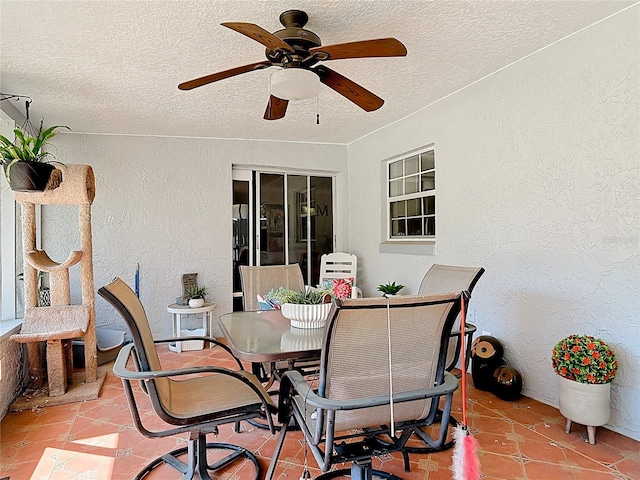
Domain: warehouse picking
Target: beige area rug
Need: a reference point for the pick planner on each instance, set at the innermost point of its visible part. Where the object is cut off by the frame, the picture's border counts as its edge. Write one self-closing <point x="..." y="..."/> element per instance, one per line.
<point x="78" y="391"/>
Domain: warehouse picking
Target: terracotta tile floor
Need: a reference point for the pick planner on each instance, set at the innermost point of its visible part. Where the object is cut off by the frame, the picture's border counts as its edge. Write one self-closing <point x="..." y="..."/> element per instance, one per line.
<point x="522" y="440"/>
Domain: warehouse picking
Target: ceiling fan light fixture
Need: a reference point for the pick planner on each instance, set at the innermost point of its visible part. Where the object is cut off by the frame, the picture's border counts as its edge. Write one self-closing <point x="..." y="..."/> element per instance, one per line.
<point x="295" y="84"/>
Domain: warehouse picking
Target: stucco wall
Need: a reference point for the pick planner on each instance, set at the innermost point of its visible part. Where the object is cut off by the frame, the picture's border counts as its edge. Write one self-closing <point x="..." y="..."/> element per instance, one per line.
<point x="14" y="372"/>
<point x="538" y="181"/>
<point x="165" y="203"/>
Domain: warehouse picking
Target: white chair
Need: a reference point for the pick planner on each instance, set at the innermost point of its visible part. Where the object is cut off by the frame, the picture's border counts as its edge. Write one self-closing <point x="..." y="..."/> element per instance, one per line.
<point x="340" y="265"/>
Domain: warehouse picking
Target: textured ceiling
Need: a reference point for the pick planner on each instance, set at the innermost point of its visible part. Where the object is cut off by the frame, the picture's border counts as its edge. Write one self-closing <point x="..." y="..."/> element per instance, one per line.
<point x="112" y="67"/>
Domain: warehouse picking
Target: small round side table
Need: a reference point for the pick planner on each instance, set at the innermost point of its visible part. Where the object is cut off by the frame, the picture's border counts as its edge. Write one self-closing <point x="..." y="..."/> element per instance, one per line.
<point x="178" y="311"/>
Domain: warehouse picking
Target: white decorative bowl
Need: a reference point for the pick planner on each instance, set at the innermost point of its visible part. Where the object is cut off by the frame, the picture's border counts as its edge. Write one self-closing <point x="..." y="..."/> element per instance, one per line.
<point x="306" y="316"/>
<point x="196" y="302"/>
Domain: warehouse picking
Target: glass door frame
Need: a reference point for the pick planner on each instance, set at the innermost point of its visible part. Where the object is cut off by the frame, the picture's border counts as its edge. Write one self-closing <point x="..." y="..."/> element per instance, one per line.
<point x="253" y="175"/>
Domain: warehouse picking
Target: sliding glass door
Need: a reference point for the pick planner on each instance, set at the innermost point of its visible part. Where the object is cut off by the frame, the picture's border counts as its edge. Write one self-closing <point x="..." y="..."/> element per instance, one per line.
<point x="287" y="218"/>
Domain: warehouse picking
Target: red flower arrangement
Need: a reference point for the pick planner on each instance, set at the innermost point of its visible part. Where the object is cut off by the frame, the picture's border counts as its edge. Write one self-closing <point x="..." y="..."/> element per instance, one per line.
<point x="341" y="288"/>
<point x="584" y="359"/>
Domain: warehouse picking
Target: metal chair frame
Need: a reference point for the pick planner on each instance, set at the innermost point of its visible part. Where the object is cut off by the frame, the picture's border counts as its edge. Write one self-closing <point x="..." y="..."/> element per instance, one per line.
<point x="298" y="397"/>
<point x="197" y="425"/>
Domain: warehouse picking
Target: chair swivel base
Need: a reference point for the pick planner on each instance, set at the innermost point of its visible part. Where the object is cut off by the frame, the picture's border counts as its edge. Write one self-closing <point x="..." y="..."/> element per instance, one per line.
<point x="429" y="449"/>
<point x="197" y="464"/>
<point x="360" y="470"/>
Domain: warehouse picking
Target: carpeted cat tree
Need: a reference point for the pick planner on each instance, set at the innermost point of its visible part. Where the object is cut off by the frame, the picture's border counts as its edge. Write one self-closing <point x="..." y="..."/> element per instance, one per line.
<point x="58" y="324"/>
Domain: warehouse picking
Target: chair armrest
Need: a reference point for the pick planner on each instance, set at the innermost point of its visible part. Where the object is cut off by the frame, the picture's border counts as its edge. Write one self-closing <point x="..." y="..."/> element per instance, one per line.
<point x="298" y="384"/>
<point x="205" y="339"/>
<point x="356" y="292"/>
<point x="120" y="369"/>
<point x="468" y="328"/>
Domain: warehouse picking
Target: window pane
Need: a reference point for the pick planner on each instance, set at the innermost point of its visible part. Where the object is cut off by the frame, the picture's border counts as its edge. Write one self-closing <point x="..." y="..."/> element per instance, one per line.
<point x="398" y="210"/>
<point x="429" y="205"/>
<point x="428" y="181"/>
<point x="428" y="160"/>
<point x="414" y="226"/>
<point x="411" y="184"/>
<point x="395" y="169"/>
<point x="430" y="226"/>
<point x="412" y="165"/>
<point x="413" y="207"/>
<point x="398" y="228"/>
<point x="395" y="188"/>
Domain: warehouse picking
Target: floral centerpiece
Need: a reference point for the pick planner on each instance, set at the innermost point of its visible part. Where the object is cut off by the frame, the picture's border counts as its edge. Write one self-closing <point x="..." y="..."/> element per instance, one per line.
<point x="310" y="307"/>
<point x="584" y="359"/>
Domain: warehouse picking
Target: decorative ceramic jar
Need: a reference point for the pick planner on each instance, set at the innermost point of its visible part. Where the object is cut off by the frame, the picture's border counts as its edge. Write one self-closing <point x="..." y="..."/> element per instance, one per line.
<point x="584" y="403"/>
<point x="196" y="302"/>
<point x="306" y="315"/>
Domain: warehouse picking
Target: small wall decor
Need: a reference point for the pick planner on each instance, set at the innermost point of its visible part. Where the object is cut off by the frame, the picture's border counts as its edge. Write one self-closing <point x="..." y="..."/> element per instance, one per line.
<point x="189" y="281"/>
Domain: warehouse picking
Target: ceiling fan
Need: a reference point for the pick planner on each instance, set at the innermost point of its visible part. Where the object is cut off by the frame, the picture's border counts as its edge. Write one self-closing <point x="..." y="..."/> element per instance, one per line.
<point x="298" y="52"/>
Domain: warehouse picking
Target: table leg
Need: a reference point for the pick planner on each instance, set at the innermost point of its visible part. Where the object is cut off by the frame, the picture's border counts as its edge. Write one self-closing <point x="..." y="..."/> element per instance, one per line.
<point x="177" y="330"/>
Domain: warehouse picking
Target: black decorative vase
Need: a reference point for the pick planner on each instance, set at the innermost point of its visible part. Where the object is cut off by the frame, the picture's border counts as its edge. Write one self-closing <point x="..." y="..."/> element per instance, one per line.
<point x="486" y="356"/>
<point x="508" y="384"/>
<point x="29" y="176"/>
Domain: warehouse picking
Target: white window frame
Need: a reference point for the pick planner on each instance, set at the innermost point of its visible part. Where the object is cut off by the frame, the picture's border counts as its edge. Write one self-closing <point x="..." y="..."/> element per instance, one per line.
<point x="9" y="221"/>
<point x="411" y="244"/>
<point x="402" y="178"/>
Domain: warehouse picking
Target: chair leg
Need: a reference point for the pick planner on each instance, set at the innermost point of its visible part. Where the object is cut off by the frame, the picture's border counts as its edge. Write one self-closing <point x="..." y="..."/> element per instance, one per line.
<point x="196" y="452"/>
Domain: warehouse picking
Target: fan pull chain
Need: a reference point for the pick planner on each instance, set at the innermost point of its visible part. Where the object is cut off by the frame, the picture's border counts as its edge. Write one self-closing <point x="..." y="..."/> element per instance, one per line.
<point x="318" y="110"/>
<point x="393" y="423"/>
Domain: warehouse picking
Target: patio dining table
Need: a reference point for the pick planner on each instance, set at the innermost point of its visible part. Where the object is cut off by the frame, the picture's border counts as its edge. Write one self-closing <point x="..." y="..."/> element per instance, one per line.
<point x="265" y="336"/>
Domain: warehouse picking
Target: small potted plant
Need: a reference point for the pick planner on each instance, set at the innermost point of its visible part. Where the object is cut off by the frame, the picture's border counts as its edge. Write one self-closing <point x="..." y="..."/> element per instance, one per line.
<point x="196" y="296"/>
<point x="27" y="164"/>
<point x="44" y="294"/>
<point x="390" y="288"/>
<point x="586" y="366"/>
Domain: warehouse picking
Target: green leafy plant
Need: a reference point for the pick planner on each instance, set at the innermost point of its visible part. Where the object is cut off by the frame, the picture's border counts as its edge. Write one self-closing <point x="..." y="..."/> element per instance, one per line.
<point x="305" y="297"/>
<point x="390" y="288"/>
<point x="41" y="275"/>
<point x="197" y="292"/>
<point x="584" y="359"/>
<point x="26" y="148"/>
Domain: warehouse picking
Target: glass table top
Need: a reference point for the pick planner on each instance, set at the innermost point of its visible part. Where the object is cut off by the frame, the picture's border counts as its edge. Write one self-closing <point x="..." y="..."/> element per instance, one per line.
<point x="267" y="336"/>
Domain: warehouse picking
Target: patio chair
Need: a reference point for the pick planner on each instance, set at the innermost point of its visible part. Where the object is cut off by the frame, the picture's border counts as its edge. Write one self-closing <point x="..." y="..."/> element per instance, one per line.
<point x="340" y="265"/>
<point x="451" y="278"/>
<point x="373" y="346"/>
<point x="441" y="279"/>
<point x="193" y="400"/>
<point x="259" y="280"/>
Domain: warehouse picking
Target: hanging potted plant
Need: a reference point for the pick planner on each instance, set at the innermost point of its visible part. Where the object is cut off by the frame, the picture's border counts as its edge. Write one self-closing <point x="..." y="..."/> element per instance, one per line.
<point x="27" y="164"/>
<point x="586" y="367"/>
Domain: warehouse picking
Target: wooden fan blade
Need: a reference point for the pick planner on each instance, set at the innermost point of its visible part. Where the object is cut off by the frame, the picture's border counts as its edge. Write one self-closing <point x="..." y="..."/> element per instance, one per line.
<point x="259" y="34"/>
<point x="214" y="77"/>
<point x="382" y="47"/>
<point x="349" y="89"/>
<point x="276" y="108"/>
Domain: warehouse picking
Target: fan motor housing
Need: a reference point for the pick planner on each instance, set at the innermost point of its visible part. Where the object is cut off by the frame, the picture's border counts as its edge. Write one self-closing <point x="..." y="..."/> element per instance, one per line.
<point x="295" y="35"/>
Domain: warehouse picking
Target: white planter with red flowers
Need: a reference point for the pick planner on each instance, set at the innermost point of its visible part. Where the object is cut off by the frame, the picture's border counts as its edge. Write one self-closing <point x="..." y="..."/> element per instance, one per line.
<point x="586" y="366"/>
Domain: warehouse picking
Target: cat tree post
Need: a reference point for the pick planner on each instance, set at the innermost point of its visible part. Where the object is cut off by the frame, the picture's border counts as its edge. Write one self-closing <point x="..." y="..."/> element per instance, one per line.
<point x="60" y="322"/>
